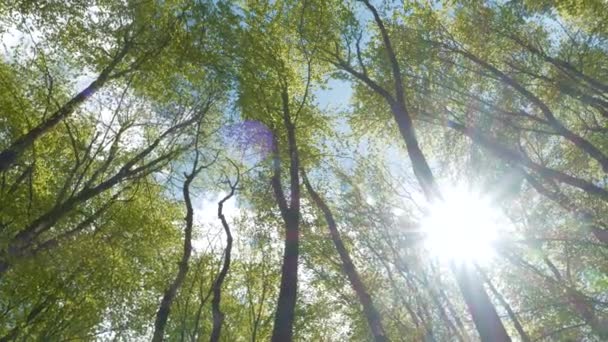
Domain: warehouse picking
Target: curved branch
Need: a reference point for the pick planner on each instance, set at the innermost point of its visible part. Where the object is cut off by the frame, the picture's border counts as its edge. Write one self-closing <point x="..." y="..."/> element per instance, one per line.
<point x="162" y="315"/>
<point x="218" y="315"/>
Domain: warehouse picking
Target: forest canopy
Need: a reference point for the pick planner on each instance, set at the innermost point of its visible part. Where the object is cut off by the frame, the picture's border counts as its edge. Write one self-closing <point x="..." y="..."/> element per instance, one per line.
<point x="313" y="170"/>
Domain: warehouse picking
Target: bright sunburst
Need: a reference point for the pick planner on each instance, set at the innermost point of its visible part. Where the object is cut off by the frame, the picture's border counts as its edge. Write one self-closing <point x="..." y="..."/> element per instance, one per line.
<point x="462" y="228"/>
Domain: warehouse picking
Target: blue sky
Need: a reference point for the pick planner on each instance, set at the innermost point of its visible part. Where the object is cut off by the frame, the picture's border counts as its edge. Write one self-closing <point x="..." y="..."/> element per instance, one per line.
<point x="336" y="96"/>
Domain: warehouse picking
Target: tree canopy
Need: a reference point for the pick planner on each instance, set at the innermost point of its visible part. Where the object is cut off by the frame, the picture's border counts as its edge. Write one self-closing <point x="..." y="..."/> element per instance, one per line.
<point x="311" y="170"/>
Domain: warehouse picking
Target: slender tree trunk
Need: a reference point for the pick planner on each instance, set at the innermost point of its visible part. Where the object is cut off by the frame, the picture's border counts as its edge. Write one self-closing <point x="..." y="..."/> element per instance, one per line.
<point x="258" y="314"/>
<point x="10" y="155"/>
<point x="218" y="315"/>
<point x="199" y="311"/>
<point x="371" y="313"/>
<point x="162" y="315"/>
<point x="482" y="310"/>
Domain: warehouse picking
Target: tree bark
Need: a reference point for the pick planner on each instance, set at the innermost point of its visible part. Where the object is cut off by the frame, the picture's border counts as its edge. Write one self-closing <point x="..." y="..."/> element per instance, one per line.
<point x="286" y="304"/>
<point x="284" y="317"/>
<point x="420" y="166"/>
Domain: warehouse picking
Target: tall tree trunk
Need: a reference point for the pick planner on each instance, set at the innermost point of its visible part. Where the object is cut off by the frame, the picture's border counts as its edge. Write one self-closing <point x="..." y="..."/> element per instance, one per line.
<point x="480" y="306"/>
<point x="482" y="310"/>
<point x="218" y="315"/>
<point x="420" y="166"/>
<point x="10" y="155"/>
<point x="257" y="315"/>
<point x="520" y="329"/>
<point x="371" y="313"/>
<point x="285" y="314"/>
<point x="284" y="317"/>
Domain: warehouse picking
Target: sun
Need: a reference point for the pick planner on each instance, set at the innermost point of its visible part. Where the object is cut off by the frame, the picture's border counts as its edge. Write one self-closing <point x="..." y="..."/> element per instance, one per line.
<point x="462" y="228"/>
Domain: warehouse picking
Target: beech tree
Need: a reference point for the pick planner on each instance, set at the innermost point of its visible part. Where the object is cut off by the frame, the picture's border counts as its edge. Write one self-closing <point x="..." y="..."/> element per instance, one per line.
<point x="303" y="170"/>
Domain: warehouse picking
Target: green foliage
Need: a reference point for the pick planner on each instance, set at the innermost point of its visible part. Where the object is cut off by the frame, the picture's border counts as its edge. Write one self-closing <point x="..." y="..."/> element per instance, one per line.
<point x="91" y="214"/>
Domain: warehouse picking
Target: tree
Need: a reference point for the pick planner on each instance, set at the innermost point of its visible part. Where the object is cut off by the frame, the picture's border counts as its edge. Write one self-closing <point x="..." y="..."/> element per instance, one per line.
<point x="371" y="313"/>
<point x="482" y="310"/>
<point x="279" y="130"/>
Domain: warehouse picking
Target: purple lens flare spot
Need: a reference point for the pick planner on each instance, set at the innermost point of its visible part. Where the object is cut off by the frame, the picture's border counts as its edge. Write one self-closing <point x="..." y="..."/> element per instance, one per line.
<point x="251" y="137"/>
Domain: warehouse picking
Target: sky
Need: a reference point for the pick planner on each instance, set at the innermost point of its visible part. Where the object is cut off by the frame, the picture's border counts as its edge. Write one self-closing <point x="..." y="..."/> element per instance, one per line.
<point x="336" y="96"/>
